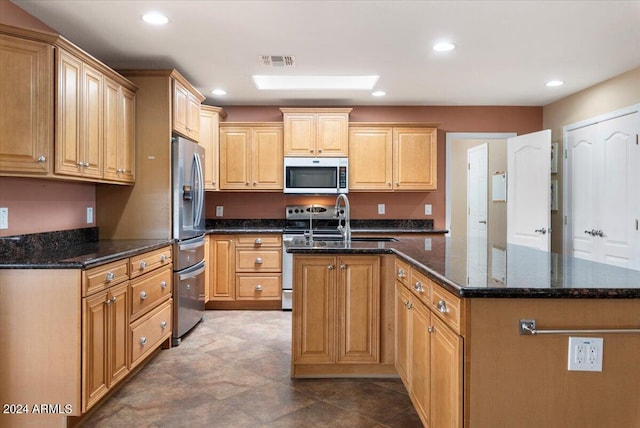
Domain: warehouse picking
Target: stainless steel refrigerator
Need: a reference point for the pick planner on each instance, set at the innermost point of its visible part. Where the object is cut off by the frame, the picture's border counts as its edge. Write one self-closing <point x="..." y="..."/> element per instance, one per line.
<point x="188" y="233"/>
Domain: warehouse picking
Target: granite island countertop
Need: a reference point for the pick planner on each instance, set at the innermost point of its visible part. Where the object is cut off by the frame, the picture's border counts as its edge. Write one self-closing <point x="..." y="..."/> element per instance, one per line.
<point x="494" y="271"/>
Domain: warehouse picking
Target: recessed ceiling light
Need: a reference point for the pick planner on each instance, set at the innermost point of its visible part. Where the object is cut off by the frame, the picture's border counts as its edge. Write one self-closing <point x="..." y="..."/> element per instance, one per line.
<point x="315" y="82"/>
<point x="379" y="93"/>
<point x="219" y="92"/>
<point x="444" y="47"/>
<point x="552" y="83"/>
<point x="155" y="18"/>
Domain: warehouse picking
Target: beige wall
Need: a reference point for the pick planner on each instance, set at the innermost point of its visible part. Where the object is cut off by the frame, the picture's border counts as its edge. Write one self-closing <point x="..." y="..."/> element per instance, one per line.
<point x="613" y="94"/>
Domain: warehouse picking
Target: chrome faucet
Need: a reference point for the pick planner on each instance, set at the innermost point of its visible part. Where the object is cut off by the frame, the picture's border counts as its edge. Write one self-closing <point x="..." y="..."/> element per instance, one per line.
<point x="309" y="236"/>
<point x="345" y="230"/>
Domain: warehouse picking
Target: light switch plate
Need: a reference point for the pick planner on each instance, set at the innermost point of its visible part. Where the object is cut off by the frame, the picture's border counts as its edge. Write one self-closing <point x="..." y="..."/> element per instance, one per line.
<point x="585" y="354"/>
<point x="427" y="209"/>
<point x="4" y="218"/>
<point x="380" y="208"/>
<point x="219" y="211"/>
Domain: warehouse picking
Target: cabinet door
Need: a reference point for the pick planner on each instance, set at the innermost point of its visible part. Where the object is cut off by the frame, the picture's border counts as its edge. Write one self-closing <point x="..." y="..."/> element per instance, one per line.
<point x="193" y="117"/>
<point x="27" y="71"/>
<point x="91" y="137"/>
<point x="267" y="159"/>
<point x="299" y="134"/>
<point x="68" y="115"/>
<point x="420" y="384"/>
<point x="235" y="152"/>
<point x="314" y="309"/>
<point x="94" y="349"/>
<point x="111" y="129"/>
<point x="222" y="268"/>
<point x="358" y="309"/>
<point x="367" y="147"/>
<point x="180" y="108"/>
<point x="209" y="140"/>
<point x="446" y="376"/>
<point x="332" y="134"/>
<point x="415" y="158"/>
<point x="118" y="333"/>
<point x="127" y="152"/>
<point x="403" y="332"/>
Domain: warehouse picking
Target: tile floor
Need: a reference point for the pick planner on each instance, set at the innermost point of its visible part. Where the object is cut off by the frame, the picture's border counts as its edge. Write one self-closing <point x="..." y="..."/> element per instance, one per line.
<point x="232" y="371"/>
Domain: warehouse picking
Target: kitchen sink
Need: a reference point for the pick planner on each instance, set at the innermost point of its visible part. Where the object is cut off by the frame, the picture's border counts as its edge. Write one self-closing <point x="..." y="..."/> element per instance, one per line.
<point x="361" y="238"/>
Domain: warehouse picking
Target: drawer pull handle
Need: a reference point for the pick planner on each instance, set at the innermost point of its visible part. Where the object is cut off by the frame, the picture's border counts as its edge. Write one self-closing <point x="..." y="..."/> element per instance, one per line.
<point x="143" y="295"/>
<point x="163" y="284"/>
<point x="401" y="273"/>
<point x="442" y="307"/>
<point x="258" y="287"/>
<point x="163" y="325"/>
<point x="418" y="287"/>
<point x="143" y="265"/>
<point x="163" y="258"/>
<point x="258" y="241"/>
<point x="259" y="261"/>
<point x="110" y="276"/>
<point x="143" y="341"/>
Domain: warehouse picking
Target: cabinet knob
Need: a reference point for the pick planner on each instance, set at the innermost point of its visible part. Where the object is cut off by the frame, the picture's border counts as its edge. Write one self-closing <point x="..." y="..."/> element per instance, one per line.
<point x="163" y="258"/>
<point x="397" y="184"/>
<point x="389" y="183"/>
<point x="331" y="267"/>
<point x="442" y="307"/>
<point x="108" y="302"/>
<point x="42" y="159"/>
<point x="258" y="287"/>
<point x="259" y="260"/>
<point x="246" y="184"/>
<point x="110" y="276"/>
<point x="163" y="325"/>
<point x="255" y="183"/>
<point x="143" y="265"/>
<point x="258" y="241"/>
<point x="430" y="329"/>
<point x="143" y="295"/>
<point x="163" y="284"/>
<point x="311" y="150"/>
<point x="319" y="150"/>
<point x="114" y="298"/>
<point x="343" y="266"/>
<point x="401" y="273"/>
<point x="143" y="341"/>
<point x="418" y="287"/>
<point x="80" y="164"/>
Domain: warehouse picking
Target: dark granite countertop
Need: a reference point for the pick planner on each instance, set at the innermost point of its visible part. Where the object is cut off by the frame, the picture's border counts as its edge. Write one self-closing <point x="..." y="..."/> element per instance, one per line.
<point x="507" y="271"/>
<point x="78" y="249"/>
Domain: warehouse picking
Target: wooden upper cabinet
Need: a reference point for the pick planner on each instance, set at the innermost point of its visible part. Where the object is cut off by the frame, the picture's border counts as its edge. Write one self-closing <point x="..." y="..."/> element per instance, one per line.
<point x="251" y="157"/>
<point x="405" y="158"/>
<point x="119" y="133"/>
<point x="26" y="67"/>
<point x="209" y="139"/>
<point x="316" y="132"/>
<point x="186" y="109"/>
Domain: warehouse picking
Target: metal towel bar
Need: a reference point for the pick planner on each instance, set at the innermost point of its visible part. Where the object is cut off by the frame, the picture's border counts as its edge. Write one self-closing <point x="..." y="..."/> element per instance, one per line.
<point x="528" y="328"/>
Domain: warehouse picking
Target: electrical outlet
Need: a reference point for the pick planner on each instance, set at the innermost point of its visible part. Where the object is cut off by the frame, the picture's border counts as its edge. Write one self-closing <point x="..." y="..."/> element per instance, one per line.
<point x="219" y="211"/>
<point x="380" y="208"/>
<point x="89" y="215"/>
<point x="4" y="218"/>
<point x="585" y="354"/>
<point x="427" y="244"/>
<point x="427" y="209"/>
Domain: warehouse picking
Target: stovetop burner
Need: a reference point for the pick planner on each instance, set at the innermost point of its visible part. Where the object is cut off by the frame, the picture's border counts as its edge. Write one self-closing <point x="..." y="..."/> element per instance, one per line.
<point x="298" y="217"/>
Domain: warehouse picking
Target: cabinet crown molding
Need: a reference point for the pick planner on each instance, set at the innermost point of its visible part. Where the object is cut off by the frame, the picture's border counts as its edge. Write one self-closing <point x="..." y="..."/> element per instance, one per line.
<point x="393" y="124"/>
<point x="314" y="110"/>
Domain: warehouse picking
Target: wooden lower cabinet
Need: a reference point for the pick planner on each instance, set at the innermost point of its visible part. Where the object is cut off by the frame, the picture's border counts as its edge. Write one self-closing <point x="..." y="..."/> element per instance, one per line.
<point x="429" y="361"/>
<point x="336" y="310"/>
<point x="222" y="268"/>
<point x="105" y="326"/>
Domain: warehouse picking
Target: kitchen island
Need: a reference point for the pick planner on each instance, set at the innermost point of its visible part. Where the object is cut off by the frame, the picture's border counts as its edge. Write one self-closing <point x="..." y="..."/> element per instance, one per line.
<point x="453" y="320"/>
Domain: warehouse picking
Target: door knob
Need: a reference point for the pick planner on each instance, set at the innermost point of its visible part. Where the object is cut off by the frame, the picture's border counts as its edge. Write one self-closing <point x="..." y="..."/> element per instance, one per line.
<point x="541" y="230"/>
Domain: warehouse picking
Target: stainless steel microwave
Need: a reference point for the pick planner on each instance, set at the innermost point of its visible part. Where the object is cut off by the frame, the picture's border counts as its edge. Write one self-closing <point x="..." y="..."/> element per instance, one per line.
<point x="316" y="175"/>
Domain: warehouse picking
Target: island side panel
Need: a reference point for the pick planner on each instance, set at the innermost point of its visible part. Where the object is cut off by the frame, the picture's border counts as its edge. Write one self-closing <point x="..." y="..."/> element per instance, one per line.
<point x="523" y="381"/>
<point x="40" y="319"/>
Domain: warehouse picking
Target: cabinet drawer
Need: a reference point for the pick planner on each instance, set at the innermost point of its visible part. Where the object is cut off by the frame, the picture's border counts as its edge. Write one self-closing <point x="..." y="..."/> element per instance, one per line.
<point x="101" y="277"/>
<point x="263" y="287"/>
<point x="149" y="261"/>
<point x="446" y="306"/>
<point x="259" y="241"/>
<point x="420" y="285"/>
<point x="402" y="271"/>
<point x="149" y="331"/>
<point x="149" y="290"/>
<point x="258" y="260"/>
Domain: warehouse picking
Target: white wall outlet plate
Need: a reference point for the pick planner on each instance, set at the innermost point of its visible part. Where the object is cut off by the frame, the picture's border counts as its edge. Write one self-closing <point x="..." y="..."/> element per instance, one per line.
<point x="4" y="218"/>
<point x="380" y="208"/>
<point x="585" y="354"/>
<point x="89" y="215"/>
<point x="219" y="211"/>
<point x="427" y="209"/>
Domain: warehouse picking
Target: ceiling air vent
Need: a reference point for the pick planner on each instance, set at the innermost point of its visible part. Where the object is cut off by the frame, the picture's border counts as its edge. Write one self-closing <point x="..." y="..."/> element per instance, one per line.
<point x="278" y="60"/>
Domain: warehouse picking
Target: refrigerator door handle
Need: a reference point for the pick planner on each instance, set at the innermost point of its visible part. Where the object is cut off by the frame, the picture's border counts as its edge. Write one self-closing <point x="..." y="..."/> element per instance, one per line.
<point x="199" y="185"/>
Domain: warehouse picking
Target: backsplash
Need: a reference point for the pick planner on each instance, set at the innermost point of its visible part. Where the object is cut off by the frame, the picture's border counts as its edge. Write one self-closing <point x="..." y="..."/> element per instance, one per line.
<point x="20" y="245"/>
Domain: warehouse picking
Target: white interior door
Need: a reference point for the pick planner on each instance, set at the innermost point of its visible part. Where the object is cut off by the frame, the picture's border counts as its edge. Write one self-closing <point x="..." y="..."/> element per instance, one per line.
<point x="603" y="165"/>
<point x="477" y="189"/>
<point x="528" y="190"/>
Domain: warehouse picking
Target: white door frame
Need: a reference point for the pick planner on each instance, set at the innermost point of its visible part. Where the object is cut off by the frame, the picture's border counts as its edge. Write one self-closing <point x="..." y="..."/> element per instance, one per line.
<point x="450" y="137"/>
<point x="566" y="185"/>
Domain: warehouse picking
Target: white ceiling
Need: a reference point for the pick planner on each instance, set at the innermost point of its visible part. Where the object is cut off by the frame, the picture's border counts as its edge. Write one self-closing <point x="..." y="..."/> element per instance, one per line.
<point x="506" y="50"/>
